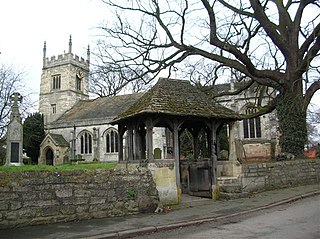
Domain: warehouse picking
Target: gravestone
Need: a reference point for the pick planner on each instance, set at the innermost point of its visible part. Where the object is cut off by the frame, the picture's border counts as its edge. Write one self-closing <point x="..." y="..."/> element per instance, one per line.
<point x="15" y="133"/>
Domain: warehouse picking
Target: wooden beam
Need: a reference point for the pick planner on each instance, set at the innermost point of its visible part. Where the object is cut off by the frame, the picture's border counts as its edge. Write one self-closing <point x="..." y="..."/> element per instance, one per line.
<point x="213" y="126"/>
<point x="176" y="125"/>
<point x="149" y="138"/>
<point x="130" y="142"/>
<point x="121" y="130"/>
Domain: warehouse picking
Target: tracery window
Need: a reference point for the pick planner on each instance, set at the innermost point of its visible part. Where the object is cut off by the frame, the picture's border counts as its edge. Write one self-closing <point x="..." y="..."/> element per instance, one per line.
<point x="111" y="141"/>
<point x="86" y="143"/>
<point x="56" y="82"/>
<point x="251" y="127"/>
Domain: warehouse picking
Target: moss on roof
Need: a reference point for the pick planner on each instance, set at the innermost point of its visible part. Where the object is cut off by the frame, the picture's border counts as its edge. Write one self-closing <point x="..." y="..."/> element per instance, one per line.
<point x="99" y="108"/>
<point x="177" y="98"/>
<point x="59" y="139"/>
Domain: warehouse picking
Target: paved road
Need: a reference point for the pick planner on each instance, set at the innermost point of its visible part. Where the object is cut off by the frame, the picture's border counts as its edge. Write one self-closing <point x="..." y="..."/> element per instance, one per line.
<point x="292" y="221"/>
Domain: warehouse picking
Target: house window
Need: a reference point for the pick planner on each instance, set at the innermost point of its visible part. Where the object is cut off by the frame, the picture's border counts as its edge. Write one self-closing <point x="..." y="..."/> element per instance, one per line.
<point x="56" y="82"/>
<point x="54" y="109"/>
<point x="251" y="127"/>
<point x="111" y="141"/>
<point x="86" y="143"/>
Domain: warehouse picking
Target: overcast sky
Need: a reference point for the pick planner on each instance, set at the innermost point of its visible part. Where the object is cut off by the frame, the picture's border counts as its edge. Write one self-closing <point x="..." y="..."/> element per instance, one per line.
<point x="26" y="24"/>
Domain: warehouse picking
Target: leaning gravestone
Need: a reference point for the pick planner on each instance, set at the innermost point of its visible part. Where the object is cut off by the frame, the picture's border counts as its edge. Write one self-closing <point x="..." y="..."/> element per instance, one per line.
<point x="15" y="133"/>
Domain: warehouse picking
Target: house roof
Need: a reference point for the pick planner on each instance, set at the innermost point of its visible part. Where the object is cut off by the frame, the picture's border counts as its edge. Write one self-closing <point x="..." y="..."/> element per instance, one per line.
<point x="99" y="108"/>
<point x="58" y="139"/>
<point x="177" y="98"/>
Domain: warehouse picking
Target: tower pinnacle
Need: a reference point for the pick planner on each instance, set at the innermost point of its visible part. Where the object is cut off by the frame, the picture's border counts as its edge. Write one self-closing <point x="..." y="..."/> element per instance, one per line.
<point x="44" y="52"/>
<point x="70" y="44"/>
<point x="88" y="54"/>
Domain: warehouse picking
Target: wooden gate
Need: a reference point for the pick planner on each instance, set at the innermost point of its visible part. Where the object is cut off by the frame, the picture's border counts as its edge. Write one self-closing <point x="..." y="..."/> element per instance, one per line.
<point x="200" y="178"/>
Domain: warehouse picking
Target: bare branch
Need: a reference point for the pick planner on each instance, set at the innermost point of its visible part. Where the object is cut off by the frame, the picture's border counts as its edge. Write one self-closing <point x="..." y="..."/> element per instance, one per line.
<point x="315" y="86"/>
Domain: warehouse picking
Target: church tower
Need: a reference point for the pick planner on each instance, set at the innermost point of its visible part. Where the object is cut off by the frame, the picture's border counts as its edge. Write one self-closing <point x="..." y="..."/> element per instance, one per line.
<point x="64" y="81"/>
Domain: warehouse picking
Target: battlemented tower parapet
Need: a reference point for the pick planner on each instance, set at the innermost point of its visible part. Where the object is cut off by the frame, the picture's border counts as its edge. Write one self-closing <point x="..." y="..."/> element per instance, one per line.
<point x="66" y="58"/>
<point x="64" y="81"/>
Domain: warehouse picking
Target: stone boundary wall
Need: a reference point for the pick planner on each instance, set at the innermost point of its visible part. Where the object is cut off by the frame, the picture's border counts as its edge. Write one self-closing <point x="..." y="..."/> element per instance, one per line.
<point x="40" y="197"/>
<point x="265" y="176"/>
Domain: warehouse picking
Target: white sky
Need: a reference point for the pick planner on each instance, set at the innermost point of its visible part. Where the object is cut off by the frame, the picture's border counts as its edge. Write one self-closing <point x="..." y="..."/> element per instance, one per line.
<point x="26" y="24"/>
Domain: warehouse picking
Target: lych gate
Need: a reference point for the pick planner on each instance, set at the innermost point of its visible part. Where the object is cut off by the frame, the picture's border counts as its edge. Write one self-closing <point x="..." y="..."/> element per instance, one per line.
<point x="177" y="106"/>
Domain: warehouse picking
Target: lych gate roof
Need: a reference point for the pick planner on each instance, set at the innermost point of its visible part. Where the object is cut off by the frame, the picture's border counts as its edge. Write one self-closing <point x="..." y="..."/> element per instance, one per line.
<point x="99" y="108"/>
<point x="177" y="98"/>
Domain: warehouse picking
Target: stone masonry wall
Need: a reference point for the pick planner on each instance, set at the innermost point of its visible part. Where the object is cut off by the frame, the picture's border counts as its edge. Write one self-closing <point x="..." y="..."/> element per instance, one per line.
<point x="40" y="197"/>
<point x="266" y="176"/>
<point x="164" y="176"/>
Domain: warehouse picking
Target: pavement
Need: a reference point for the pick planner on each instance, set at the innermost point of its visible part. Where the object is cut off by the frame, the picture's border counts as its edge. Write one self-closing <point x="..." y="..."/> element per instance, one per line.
<point x="191" y="211"/>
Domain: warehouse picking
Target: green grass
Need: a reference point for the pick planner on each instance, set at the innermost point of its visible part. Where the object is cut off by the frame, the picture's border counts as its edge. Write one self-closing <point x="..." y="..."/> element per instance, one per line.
<point x="81" y="166"/>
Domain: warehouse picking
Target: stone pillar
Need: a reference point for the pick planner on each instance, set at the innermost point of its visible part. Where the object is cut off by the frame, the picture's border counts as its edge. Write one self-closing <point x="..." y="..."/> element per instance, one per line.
<point x="74" y="144"/>
<point x="236" y="167"/>
<point x="96" y="140"/>
<point x="232" y="141"/>
<point x="15" y="134"/>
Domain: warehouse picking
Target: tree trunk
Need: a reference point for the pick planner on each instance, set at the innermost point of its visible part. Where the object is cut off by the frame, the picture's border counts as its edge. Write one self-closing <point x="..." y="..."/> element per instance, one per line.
<point x="292" y="122"/>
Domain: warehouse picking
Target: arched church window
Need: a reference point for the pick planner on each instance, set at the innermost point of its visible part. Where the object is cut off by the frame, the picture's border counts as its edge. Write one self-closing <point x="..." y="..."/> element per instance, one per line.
<point x="111" y="141"/>
<point x="251" y="127"/>
<point x="86" y="143"/>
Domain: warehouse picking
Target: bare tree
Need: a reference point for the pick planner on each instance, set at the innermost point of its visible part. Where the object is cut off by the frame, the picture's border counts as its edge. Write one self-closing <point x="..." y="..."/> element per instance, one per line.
<point x="10" y="82"/>
<point x="273" y="43"/>
<point x="108" y="82"/>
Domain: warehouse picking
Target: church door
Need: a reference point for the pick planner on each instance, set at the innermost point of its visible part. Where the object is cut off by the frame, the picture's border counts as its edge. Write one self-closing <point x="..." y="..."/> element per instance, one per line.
<point x="49" y="157"/>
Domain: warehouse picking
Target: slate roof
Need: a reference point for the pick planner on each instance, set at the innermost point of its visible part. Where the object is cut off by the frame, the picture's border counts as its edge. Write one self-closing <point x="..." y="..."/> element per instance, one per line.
<point x="99" y="108"/>
<point x="59" y="139"/>
<point x="177" y="98"/>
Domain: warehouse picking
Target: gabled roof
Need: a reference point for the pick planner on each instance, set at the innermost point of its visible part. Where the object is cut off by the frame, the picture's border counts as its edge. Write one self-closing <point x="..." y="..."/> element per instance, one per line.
<point x="99" y="108"/>
<point x="177" y="98"/>
<point x="57" y="139"/>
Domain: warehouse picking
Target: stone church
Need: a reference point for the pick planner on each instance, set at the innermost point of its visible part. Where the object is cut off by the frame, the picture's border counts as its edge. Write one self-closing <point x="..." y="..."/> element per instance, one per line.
<point x="78" y="128"/>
